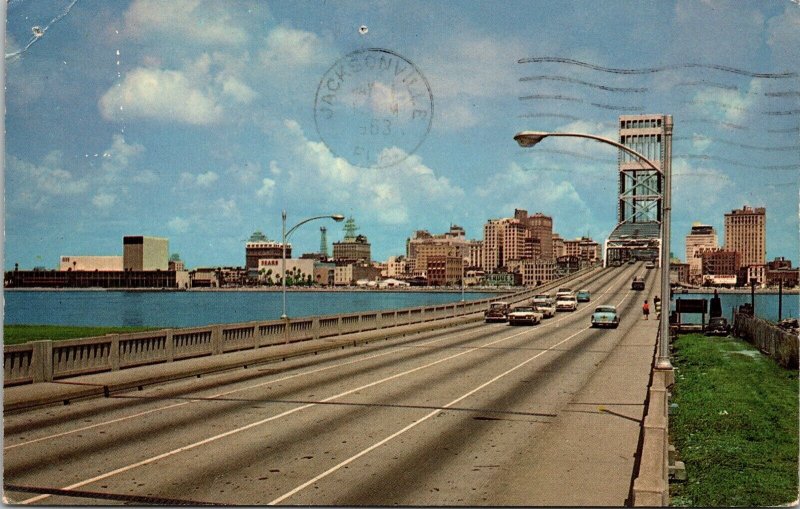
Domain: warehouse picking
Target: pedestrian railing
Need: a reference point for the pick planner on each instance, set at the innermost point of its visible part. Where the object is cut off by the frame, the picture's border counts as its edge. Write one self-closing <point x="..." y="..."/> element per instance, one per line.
<point x="44" y="361"/>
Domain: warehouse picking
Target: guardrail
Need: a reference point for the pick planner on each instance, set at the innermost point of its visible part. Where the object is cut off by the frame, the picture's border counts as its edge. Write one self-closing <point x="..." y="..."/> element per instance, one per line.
<point x="45" y="361"/>
<point x="779" y="344"/>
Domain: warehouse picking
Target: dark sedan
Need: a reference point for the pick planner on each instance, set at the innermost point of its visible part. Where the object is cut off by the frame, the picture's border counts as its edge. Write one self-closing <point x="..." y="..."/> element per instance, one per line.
<point x="717" y="326"/>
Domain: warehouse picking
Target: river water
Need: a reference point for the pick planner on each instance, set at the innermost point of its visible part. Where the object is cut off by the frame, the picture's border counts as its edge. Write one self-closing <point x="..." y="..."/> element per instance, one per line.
<point x="192" y="309"/>
<point x="766" y="305"/>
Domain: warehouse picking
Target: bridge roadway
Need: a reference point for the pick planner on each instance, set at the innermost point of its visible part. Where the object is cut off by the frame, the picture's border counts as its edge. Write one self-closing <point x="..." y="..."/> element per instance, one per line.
<point x="477" y="415"/>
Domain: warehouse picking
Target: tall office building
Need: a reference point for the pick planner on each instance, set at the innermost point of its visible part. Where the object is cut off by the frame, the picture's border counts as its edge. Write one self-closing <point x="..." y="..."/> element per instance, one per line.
<point x="701" y="237"/>
<point x="746" y="233"/>
<point x="145" y="253"/>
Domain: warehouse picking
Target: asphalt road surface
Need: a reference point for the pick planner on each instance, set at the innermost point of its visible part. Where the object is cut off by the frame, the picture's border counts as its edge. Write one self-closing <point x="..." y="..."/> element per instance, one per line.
<point x="451" y="417"/>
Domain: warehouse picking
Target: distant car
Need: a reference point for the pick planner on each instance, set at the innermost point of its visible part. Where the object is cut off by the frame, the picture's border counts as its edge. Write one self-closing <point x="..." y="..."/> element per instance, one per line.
<point x="583" y="296"/>
<point x="649" y="265"/>
<point x="497" y="312"/>
<point x="637" y="283"/>
<point x="542" y="298"/>
<point x="717" y="326"/>
<point x="616" y="263"/>
<point x="564" y="290"/>
<point x="566" y="303"/>
<point x="632" y="261"/>
<point x="524" y="315"/>
<point x="547" y="307"/>
<point x="605" y="316"/>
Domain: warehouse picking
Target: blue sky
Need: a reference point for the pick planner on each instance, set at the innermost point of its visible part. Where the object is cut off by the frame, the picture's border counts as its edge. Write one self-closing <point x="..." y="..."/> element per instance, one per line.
<point x="195" y="120"/>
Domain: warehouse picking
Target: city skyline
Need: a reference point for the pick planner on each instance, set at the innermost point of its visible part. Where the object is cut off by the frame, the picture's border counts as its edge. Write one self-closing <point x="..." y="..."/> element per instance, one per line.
<point x="196" y="121"/>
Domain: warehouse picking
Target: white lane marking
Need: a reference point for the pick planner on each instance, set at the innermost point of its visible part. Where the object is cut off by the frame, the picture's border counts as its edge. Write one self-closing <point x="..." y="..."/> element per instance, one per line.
<point x="425" y="418"/>
<point x="227" y="393"/>
<point x="219" y="395"/>
<point x="278" y="416"/>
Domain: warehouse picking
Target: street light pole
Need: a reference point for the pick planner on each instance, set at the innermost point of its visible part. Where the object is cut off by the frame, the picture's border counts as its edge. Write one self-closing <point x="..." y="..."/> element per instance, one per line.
<point x="531" y="138"/>
<point x="336" y="217"/>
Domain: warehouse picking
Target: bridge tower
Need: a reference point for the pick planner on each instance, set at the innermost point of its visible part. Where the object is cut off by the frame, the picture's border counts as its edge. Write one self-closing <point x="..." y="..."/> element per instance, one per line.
<point x="323" y="242"/>
<point x="638" y="231"/>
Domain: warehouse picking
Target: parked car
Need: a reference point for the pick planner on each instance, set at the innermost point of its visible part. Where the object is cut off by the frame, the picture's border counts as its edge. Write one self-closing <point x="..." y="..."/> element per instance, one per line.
<point x="547" y="307"/>
<point x="637" y="283"/>
<point x="566" y="303"/>
<point x="583" y="296"/>
<point x="605" y="316"/>
<point x="524" y="315"/>
<point x="717" y="326"/>
<point x="497" y="312"/>
<point x="649" y="265"/>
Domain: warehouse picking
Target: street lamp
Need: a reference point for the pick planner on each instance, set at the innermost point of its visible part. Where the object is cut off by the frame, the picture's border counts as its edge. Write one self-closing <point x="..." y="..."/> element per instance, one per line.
<point x="531" y="138"/>
<point x="336" y="217"/>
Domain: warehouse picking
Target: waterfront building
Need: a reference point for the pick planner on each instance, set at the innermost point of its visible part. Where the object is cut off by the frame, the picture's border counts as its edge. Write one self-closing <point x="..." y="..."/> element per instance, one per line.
<point x="396" y="266"/>
<point x="534" y="272"/>
<point x="140" y="253"/>
<point x="451" y="243"/>
<point x="475" y="253"/>
<point x="259" y="247"/>
<point x="720" y="263"/>
<point x="324" y="273"/>
<point x="754" y="273"/>
<point x="558" y="246"/>
<point x="701" y="237"/>
<point x="347" y="275"/>
<point x="540" y="229"/>
<point x="746" y="233"/>
<point x="119" y="279"/>
<point x="584" y="248"/>
<point x="443" y="270"/>
<point x="679" y="273"/>
<point x="175" y="262"/>
<point x="104" y="263"/>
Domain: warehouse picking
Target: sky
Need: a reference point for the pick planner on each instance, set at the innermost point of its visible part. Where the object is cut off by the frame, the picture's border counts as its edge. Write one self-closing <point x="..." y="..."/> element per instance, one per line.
<point x="200" y="121"/>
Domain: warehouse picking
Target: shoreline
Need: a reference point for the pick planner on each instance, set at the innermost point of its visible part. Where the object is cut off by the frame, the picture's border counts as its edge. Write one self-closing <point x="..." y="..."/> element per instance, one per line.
<point x="270" y="289"/>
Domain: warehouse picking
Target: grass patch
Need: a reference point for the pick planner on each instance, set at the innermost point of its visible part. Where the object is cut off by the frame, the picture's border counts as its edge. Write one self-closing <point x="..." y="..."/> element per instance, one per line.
<point x="736" y="425"/>
<point x="16" y="334"/>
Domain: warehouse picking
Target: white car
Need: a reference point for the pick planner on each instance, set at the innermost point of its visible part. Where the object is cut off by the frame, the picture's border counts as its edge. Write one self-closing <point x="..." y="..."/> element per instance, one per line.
<point x="547" y="308"/>
<point x="542" y="298"/>
<point x="524" y="315"/>
<point x="566" y="303"/>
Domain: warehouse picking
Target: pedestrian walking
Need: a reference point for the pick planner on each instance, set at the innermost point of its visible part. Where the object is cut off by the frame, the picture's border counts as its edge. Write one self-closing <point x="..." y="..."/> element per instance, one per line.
<point x="657" y="305"/>
<point x="646" y="310"/>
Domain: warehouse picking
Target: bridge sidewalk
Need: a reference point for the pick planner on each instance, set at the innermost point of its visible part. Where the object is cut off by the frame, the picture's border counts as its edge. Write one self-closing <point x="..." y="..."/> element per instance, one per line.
<point x="587" y="457"/>
<point x="100" y="384"/>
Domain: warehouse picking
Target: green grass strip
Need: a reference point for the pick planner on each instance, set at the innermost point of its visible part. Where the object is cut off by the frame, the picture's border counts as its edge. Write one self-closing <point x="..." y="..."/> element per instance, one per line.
<point x="16" y="334"/>
<point x="735" y="427"/>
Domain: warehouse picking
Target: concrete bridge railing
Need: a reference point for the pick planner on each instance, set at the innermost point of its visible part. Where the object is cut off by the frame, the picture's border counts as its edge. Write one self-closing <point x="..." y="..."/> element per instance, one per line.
<point x="45" y="361"/>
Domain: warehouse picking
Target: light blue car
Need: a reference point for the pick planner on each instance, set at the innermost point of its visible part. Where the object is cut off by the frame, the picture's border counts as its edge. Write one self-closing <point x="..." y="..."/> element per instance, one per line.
<point x="583" y="296"/>
<point x="605" y="316"/>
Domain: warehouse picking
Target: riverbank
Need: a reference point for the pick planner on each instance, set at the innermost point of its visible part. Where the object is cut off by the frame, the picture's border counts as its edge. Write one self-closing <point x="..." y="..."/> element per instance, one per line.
<point x="270" y="289"/>
<point x="735" y="425"/>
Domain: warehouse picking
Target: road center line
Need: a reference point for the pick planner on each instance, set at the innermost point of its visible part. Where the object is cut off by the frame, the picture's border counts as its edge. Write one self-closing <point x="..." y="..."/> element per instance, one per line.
<point x="292" y="411"/>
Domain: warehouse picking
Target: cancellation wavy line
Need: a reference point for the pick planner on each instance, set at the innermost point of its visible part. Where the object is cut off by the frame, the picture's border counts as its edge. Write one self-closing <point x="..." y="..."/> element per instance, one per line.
<point x="566" y="79"/>
<point x="704" y="157"/>
<point x="557" y="97"/>
<point x="729" y="125"/>
<point x="787" y="148"/>
<point x="734" y="88"/>
<point x="548" y="115"/>
<point x="652" y="70"/>
<point x="724" y="106"/>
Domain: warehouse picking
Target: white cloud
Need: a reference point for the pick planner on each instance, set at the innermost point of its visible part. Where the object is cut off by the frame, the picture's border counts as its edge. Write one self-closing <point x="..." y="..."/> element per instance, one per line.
<point x="226" y="208"/>
<point x="201" y="22"/>
<point x="286" y="47"/>
<point x="118" y="157"/>
<point x="207" y="179"/>
<point x="104" y="201"/>
<point x="178" y="224"/>
<point x="238" y="91"/>
<point x="47" y="179"/>
<point x="403" y="194"/>
<point x="161" y="95"/>
<point x="267" y="189"/>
